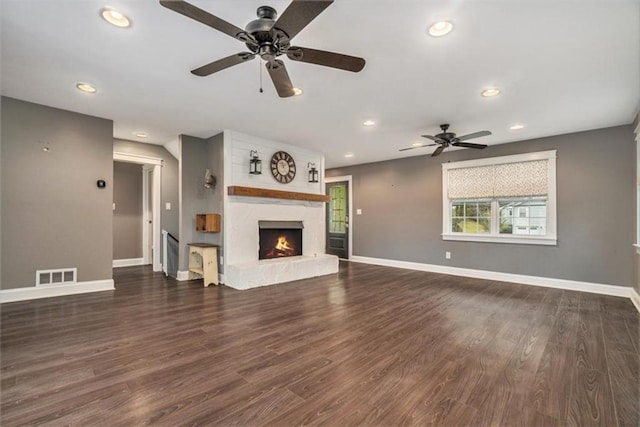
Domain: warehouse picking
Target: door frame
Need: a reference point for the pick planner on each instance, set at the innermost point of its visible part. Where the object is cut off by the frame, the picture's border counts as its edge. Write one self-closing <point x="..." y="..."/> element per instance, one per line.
<point x="156" y="164"/>
<point x="147" y="211"/>
<point x="342" y="178"/>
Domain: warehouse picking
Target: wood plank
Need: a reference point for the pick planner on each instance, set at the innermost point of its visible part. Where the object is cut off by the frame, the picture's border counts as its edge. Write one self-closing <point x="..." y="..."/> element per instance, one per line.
<point x="236" y="190"/>
<point x="369" y="346"/>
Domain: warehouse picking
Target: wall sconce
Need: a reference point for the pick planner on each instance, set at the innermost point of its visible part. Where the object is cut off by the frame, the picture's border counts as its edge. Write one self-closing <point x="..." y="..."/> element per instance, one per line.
<point x="255" y="164"/>
<point x="209" y="179"/>
<point x="313" y="172"/>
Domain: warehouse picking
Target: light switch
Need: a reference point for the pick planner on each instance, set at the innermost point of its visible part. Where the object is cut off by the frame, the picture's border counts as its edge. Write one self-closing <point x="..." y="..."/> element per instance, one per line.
<point x="358" y="211"/>
<point x="114" y="206"/>
<point x="167" y="206"/>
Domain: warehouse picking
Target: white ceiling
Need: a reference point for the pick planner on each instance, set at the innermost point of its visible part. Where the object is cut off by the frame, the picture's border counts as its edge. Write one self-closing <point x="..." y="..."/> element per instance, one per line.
<point x="563" y="66"/>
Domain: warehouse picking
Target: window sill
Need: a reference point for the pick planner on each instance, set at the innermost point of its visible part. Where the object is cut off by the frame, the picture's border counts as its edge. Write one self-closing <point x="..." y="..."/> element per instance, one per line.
<point x="529" y="240"/>
<point x="637" y="246"/>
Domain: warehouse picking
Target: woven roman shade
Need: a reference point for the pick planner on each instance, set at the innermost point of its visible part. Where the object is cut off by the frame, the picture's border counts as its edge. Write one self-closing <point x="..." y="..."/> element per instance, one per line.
<point x="519" y="179"/>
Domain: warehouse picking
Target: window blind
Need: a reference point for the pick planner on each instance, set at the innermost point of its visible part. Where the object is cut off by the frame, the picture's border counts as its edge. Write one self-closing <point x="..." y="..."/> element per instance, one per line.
<point x="519" y="179"/>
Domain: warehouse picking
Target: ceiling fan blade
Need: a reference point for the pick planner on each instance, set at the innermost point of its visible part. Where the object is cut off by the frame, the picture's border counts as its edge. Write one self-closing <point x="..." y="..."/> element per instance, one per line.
<point x="438" y="151"/>
<point x="469" y="145"/>
<point x="327" y="59"/>
<point x="417" y="146"/>
<point x="221" y="64"/>
<point x="474" y="135"/>
<point x="197" y="14"/>
<point x="280" y="78"/>
<point x="299" y="14"/>
<point x="430" y="137"/>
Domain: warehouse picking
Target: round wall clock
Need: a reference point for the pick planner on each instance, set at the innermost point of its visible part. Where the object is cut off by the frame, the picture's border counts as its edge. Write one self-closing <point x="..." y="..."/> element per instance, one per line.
<point x="283" y="167"/>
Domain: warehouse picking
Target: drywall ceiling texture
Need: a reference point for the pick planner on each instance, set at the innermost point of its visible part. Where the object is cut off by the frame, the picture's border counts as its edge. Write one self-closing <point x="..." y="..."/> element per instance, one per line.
<point x="401" y="202"/>
<point x="563" y="66"/>
<point x="53" y="213"/>
<point x="127" y="215"/>
<point x="169" y="218"/>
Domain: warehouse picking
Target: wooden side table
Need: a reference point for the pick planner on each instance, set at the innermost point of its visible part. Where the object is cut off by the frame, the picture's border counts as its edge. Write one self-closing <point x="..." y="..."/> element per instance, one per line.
<point x="203" y="263"/>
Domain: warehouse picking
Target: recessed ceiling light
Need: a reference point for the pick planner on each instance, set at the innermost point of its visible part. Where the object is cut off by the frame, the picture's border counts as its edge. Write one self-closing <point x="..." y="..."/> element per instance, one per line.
<point x="369" y="122"/>
<point x="516" y="126"/>
<point x="488" y="93"/>
<point x="86" y="87"/>
<point x="418" y="144"/>
<point x="114" y="17"/>
<point x="440" y="28"/>
<point x="141" y="134"/>
<point x="297" y="91"/>
<point x="348" y="155"/>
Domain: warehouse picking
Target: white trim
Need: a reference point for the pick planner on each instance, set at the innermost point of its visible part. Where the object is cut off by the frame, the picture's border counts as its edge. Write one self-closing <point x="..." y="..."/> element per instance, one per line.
<point x="128" y="262"/>
<point x="29" y="293"/>
<point x="156" y="198"/>
<point x="182" y="276"/>
<point x="147" y="213"/>
<point x="635" y="299"/>
<point x="489" y="161"/>
<point x="349" y="179"/>
<point x="136" y="158"/>
<point x="156" y="212"/>
<point x="573" y="285"/>
<point x="551" y="238"/>
<point x="529" y="240"/>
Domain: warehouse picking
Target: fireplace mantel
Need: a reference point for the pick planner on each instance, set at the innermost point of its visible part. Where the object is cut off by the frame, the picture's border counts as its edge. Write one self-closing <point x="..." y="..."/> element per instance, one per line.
<point x="237" y="190"/>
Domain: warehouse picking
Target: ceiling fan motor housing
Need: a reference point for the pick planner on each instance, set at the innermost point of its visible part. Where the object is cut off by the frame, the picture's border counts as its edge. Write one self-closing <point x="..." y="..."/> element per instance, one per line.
<point x="271" y="41"/>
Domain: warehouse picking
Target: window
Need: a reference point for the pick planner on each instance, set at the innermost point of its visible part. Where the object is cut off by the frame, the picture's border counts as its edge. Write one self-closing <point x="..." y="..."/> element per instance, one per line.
<point x="510" y="199"/>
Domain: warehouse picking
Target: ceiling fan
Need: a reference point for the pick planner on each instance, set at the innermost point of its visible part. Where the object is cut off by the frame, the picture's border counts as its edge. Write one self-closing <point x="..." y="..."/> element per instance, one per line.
<point x="445" y="139"/>
<point x="270" y="37"/>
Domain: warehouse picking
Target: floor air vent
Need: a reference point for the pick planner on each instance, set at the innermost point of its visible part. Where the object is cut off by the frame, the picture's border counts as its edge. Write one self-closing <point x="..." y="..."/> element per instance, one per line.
<point x="58" y="276"/>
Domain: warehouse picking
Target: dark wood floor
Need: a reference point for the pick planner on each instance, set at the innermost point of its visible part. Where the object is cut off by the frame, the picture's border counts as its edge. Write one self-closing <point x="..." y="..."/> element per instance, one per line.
<point x="368" y="346"/>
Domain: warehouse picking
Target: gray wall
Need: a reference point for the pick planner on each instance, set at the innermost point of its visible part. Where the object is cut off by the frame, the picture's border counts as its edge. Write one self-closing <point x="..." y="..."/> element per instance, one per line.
<point x="169" y="219"/>
<point x="127" y="217"/>
<point x="197" y="155"/>
<point x="402" y="211"/>
<point x="636" y="284"/>
<point x="53" y="214"/>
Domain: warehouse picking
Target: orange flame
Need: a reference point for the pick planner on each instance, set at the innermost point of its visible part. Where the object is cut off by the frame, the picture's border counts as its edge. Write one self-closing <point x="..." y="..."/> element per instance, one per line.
<point x="282" y="248"/>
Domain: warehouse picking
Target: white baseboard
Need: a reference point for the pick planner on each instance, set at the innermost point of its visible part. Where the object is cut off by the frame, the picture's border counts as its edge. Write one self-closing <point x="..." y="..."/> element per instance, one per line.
<point x="572" y="285"/>
<point x="635" y="299"/>
<point x="128" y="262"/>
<point x="36" y="292"/>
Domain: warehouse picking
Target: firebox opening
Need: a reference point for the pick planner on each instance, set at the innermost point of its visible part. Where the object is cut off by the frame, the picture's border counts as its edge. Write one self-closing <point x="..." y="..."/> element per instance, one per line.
<point x="280" y="239"/>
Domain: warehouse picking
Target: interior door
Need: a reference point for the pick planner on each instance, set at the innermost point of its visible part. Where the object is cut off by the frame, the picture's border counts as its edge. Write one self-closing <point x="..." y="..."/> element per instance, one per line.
<point x="338" y="219"/>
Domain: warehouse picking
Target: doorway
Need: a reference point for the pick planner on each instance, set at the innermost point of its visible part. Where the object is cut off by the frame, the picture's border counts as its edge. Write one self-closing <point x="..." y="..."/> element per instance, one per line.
<point x="338" y="217"/>
<point x="151" y="207"/>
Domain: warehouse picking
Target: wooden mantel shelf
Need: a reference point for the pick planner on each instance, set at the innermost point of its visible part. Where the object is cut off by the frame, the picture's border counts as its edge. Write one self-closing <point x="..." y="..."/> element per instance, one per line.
<point x="236" y="190"/>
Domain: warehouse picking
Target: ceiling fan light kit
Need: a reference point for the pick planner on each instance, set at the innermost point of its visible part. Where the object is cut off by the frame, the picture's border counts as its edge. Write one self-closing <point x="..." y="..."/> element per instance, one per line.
<point x="270" y="37"/>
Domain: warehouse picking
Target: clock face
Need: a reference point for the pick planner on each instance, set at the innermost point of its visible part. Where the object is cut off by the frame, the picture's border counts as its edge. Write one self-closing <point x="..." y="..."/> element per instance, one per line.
<point x="283" y="167"/>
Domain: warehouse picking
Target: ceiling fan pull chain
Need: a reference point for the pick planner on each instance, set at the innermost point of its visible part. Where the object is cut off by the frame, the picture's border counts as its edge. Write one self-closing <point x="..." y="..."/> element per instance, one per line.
<point x="260" y="67"/>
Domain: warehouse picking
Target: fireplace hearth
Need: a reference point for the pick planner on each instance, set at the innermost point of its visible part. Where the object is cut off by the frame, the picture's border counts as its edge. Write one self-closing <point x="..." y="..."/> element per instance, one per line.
<point x="279" y="239"/>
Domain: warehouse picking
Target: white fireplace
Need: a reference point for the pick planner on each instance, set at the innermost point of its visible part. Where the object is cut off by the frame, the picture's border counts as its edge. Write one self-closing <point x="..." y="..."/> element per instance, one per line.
<point x="242" y="215"/>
